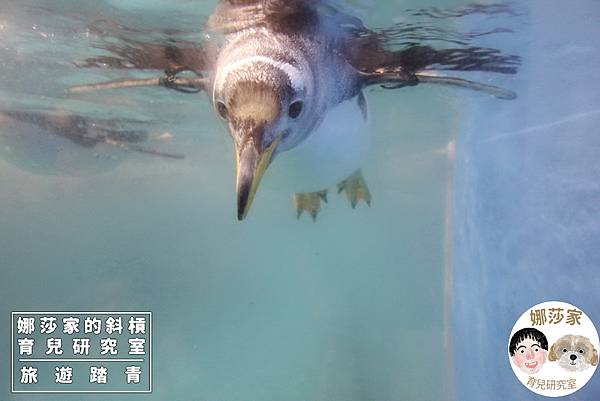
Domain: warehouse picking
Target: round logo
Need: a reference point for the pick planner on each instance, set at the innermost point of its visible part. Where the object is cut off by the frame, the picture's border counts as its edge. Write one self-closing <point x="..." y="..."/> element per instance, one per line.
<point x="553" y="349"/>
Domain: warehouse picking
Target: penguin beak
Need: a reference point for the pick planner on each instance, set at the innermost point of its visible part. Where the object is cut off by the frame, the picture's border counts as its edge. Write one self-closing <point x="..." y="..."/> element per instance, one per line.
<point x="251" y="166"/>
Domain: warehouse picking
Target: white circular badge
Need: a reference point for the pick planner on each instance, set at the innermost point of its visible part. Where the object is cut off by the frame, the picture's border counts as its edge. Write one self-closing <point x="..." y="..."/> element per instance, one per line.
<point x="553" y="349"/>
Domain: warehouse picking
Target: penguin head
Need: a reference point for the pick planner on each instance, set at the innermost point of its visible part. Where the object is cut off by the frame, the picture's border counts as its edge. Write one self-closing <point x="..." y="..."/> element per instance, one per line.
<point x="266" y="113"/>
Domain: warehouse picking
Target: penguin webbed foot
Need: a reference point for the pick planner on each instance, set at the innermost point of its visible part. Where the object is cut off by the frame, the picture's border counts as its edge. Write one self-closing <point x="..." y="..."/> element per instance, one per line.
<point x="356" y="189"/>
<point x="310" y="203"/>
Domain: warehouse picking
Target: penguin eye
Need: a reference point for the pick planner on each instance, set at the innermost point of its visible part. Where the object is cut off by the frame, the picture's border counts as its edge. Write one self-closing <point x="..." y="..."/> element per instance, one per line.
<point x="295" y="109"/>
<point x="222" y="110"/>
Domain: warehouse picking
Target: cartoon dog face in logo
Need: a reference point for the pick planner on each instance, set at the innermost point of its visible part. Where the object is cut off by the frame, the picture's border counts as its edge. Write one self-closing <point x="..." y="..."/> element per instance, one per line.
<point x="574" y="353"/>
<point x="528" y="348"/>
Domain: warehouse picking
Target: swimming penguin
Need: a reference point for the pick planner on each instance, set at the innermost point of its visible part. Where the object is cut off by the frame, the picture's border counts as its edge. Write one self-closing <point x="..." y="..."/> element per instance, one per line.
<point x="287" y="78"/>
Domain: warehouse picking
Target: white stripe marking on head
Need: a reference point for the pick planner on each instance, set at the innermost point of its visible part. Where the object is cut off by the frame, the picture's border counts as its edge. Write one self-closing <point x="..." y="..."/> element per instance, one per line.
<point x="293" y="73"/>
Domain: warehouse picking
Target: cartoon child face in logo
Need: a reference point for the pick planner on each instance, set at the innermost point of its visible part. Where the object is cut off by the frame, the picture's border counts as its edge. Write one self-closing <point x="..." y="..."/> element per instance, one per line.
<point x="528" y="349"/>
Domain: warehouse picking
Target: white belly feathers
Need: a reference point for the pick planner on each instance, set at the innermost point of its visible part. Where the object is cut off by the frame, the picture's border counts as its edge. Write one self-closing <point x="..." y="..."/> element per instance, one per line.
<point x="336" y="149"/>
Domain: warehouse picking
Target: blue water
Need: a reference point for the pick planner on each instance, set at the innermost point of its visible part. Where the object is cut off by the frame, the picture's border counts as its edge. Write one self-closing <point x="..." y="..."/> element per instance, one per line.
<point x="376" y="303"/>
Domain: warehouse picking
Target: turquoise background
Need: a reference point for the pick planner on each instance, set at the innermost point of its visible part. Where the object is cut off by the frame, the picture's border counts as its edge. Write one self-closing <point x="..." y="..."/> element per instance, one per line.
<point x="365" y="304"/>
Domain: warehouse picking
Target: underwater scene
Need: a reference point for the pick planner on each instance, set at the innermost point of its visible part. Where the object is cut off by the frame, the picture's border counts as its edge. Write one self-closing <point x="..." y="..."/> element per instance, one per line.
<point x="303" y="200"/>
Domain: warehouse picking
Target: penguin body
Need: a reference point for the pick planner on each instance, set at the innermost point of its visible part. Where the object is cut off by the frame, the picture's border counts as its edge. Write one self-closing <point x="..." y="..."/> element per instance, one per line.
<point x="335" y="149"/>
<point x="287" y="76"/>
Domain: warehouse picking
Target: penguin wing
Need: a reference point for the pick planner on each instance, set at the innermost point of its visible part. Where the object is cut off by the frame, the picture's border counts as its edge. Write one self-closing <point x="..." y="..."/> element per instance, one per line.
<point x="424" y="64"/>
<point x="148" y="49"/>
<point x="132" y="54"/>
<point x="372" y="55"/>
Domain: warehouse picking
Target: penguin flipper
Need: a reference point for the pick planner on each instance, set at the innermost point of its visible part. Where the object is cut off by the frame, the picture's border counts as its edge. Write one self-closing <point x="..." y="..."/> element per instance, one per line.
<point x="400" y="79"/>
<point x="496" y="91"/>
<point x="371" y="54"/>
<point x="169" y="80"/>
<point x="128" y="53"/>
<point x="129" y="49"/>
